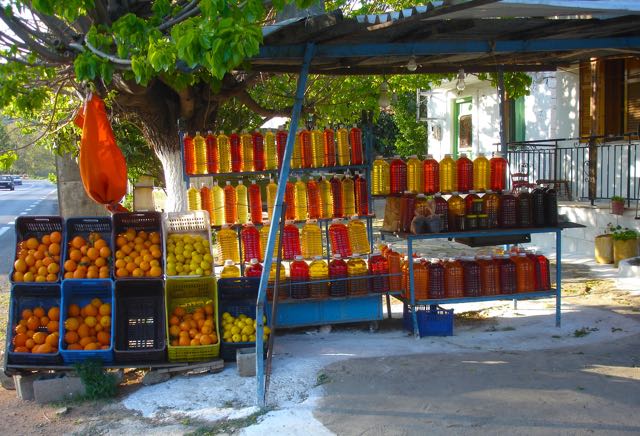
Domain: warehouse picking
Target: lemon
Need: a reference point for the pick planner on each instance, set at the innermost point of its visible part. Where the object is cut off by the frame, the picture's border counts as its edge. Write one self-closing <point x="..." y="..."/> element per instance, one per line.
<point x="226" y="335"/>
<point x="236" y="338"/>
<point x="245" y="338"/>
<point x="267" y="330"/>
<point x="252" y="338"/>
<point x="242" y="316"/>
<point x="226" y="315"/>
<point x="235" y="330"/>
<point x="247" y="330"/>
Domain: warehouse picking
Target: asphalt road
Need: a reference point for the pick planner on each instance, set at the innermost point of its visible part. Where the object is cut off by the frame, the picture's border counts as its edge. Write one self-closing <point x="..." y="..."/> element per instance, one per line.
<point x="34" y="197"/>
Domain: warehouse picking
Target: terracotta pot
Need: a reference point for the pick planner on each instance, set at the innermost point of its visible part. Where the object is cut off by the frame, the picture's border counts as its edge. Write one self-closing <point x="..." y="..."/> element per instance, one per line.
<point x="624" y="250"/>
<point x="617" y="207"/>
<point x="604" y="249"/>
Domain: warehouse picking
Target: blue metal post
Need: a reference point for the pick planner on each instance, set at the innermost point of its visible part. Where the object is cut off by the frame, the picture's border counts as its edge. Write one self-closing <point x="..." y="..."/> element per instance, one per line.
<point x="277" y="213"/>
<point x="558" y="275"/>
<point x="412" y="289"/>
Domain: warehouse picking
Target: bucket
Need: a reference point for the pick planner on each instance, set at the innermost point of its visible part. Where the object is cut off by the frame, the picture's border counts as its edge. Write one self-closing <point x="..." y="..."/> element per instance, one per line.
<point x="624" y="250"/>
<point x="604" y="249"/>
<point x="617" y="207"/>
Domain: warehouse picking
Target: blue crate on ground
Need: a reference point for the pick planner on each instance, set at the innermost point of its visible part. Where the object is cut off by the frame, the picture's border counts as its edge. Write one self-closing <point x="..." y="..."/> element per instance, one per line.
<point x="234" y="308"/>
<point x="238" y="288"/>
<point x="81" y="292"/>
<point x="432" y="320"/>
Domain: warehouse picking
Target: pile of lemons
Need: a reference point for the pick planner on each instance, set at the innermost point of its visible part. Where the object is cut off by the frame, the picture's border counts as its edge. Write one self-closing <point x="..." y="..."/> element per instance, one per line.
<point x="241" y="328"/>
<point x="188" y="255"/>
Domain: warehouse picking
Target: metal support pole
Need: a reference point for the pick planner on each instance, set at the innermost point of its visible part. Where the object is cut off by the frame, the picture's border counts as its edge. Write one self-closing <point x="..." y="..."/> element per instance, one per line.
<point x="277" y="213"/>
<point x="412" y="289"/>
<point x="558" y="275"/>
<point x="502" y="105"/>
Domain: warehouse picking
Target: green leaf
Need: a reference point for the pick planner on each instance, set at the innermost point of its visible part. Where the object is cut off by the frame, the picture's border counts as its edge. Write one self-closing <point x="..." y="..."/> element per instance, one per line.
<point x="86" y="66"/>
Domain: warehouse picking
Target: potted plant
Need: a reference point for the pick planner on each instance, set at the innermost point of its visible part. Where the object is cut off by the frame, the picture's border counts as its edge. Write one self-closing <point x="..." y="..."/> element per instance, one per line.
<point x="625" y="243"/>
<point x="604" y="246"/>
<point x="617" y="205"/>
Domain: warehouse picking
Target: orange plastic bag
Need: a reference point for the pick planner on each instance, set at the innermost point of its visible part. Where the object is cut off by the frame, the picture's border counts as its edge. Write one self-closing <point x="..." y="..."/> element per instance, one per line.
<point x="102" y="166"/>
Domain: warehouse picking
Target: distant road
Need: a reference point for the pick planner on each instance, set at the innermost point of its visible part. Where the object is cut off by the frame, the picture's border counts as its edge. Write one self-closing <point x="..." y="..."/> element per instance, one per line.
<point x="34" y="197"/>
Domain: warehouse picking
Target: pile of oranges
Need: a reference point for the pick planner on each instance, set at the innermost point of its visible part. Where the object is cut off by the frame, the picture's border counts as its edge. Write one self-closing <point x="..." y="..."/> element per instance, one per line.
<point x="138" y="254"/>
<point x="192" y="329"/>
<point x="38" y="260"/>
<point x="89" y="327"/>
<point x="87" y="258"/>
<point x="37" y="331"/>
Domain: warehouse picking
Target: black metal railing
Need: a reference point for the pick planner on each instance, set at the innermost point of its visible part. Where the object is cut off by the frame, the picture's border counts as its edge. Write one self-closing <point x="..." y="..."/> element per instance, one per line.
<point x="587" y="168"/>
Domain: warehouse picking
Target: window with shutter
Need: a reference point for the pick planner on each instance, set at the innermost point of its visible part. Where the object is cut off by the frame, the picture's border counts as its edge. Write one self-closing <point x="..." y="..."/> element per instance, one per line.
<point x="633" y="96"/>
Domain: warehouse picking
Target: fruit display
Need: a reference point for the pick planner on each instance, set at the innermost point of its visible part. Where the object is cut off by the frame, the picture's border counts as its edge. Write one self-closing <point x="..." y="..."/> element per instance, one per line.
<point x="188" y="255"/>
<point x="37" y="331"/>
<point x="189" y="327"/>
<point x="138" y="254"/>
<point x="89" y="327"/>
<point x="38" y="259"/>
<point x="241" y="328"/>
<point x="88" y="258"/>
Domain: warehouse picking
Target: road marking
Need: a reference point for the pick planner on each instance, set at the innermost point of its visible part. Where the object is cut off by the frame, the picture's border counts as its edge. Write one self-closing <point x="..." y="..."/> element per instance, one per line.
<point x="3" y="230"/>
<point x="28" y="209"/>
<point x="23" y="213"/>
<point x="12" y="223"/>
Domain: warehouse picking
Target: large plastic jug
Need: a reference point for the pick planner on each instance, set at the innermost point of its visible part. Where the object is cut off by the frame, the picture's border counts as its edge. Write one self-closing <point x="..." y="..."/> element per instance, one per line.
<point x="299" y="274"/>
<point x="296" y="155"/>
<point x="361" y="191"/>
<point x="525" y="274"/>
<point x="247" y="151"/>
<point x="270" y="151"/>
<point x="453" y="279"/>
<point x="395" y="267"/>
<point x="448" y="178"/>
<point x="236" y="152"/>
<point x="536" y="286"/>
<point x="436" y="280"/>
<point x="329" y="158"/>
<point x="336" y="193"/>
<point x="431" y="174"/>
<point x="264" y="236"/>
<point x="348" y="196"/>
<point x="317" y="148"/>
<point x="193" y="198"/>
<point x="342" y="139"/>
<point x="481" y="173"/>
<point x="306" y="148"/>
<point x="545" y="275"/>
<point x="255" y="203"/>
<point x="228" y="244"/>
<point x="537" y="207"/>
<point x="206" y="198"/>
<point x="507" y="215"/>
<point x="420" y="280"/>
<point x="456" y="211"/>
<point x="229" y="271"/>
<point x="397" y="176"/>
<point x="290" y="200"/>
<point x="357" y="267"/>
<point x="283" y="285"/>
<point x="200" y="146"/>
<point x="212" y="153"/>
<point x="489" y="275"/>
<point x="218" y="204"/>
<point x="189" y="154"/>
<point x="491" y="206"/>
<point x="498" y="170"/>
<point x="250" y="242"/>
<point x="464" y="173"/>
<point x="471" y="273"/>
<point x="257" y="141"/>
<point x="524" y="212"/>
<point x="339" y="238"/>
<point x="355" y="139"/>
<point x="319" y="270"/>
<point x="551" y="207"/>
<point x="338" y="270"/>
<point x="507" y="272"/>
<point x="471" y="203"/>
<point x="415" y="177"/>
<point x="290" y="241"/>
<point x="311" y="240"/>
<point x="272" y="191"/>
<point x="230" y="212"/>
<point x="242" y="203"/>
<point x="300" y="200"/>
<point x="326" y="198"/>
<point x="407" y="210"/>
<point x="313" y="197"/>
<point x="224" y="153"/>
<point x="379" y="269"/>
<point x="442" y="209"/>
<point x="380" y="178"/>
<point x="358" y="236"/>
<point x="254" y="269"/>
<point x="281" y="143"/>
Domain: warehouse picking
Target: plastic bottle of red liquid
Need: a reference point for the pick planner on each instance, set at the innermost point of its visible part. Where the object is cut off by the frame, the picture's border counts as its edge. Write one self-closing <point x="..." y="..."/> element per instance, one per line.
<point x="212" y="152"/>
<point x="468" y="203"/>
<point x="254" y="269"/>
<point x="362" y="198"/>
<point x="299" y="272"/>
<point x="236" y="152"/>
<point x="257" y="141"/>
<point x="488" y="276"/>
<point x="313" y="198"/>
<point x="407" y="210"/>
<point x="290" y="241"/>
<point x="398" y="175"/>
<point x="498" y="166"/>
<point x="307" y="148"/>
<point x="545" y="274"/>
<point x="250" y="242"/>
<point x="290" y="200"/>
<point x="338" y="201"/>
<point x="442" y="209"/>
<point x="329" y="147"/>
<point x="355" y="138"/>
<point x="339" y="238"/>
<point x="507" y="273"/>
<point x="281" y="143"/>
<point x="395" y="267"/>
<point x="453" y="279"/>
<point x="338" y="270"/>
<point x="189" y="154"/>
<point x="508" y="214"/>
<point x="537" y="283"/>
<point x="431" y="174"/>
<point x="436" y="280"/>
<point x="525" y="273"/>
<point x="230" y="211"/>
<point x="255" y="202"/>
<point x="471" y="271"/>
<point x="464" y="173"/>
<point x="379" y="268"/>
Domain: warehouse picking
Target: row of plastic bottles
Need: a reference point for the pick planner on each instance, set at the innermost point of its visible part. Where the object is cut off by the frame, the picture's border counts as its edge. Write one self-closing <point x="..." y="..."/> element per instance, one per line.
<point x="320" y="198"/>
<point x="431" y="176"/>
<point x="254" y="151"/>
<point x="344" y="239"/>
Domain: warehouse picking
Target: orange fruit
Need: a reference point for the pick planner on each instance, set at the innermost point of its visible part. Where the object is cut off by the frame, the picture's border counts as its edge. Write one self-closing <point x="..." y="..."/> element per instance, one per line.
<point x="179" y="311"/>
<point x="52" y="339"/>
<point x="74" y="310"/>
<point x="20" y="340"/>
<point x="33" y="323"/>
<point x="92" y="346"/>
<point x="193" y="333"/>
<point x="71" y="337"/>
<point x="99" y="243"/>
<point x="208" y="309"/>
<point x="122" y="272"/>
<point x="214" y="338"/>
<point x="104" y="338"/>
<point x="20" y="328"/>
<point x="105" y="321"/>
<point x="93" y="253"/>
<point x="121" y="241"/>
<point x="29" y="343"/>
<point x="174" y="331"/>
<point x="54" y="313"/>
<point x="40" y="279"/>
<point x="85" y="341"/>
<point x="28" y="276"/>
<point x="80" y="273"/>
<point x="21" y="350"/>
<point x="155" y="271"/>
<point x="75" y="255"/>
<point x="32" y="243"/>
<point x="27" y="313"/>
<point x="195" y="342"/>
<point x="30" y="333"/>
<point x="96" y="302"/>
<point x="46" y="239"/>
<point x="39" y="337"/>
<point x="83" y="330"/>
<point x="75" y="346"/>
<point x="20" y="265"/>
<point x="90" y="309"/>
<point x="68" y="275"/>
<point x="91" y="321"/>
<point x="71" y="324"/>
<point x="105" y="252"/>
<point x="53" y="268"/>
<point x="174" y="320"/>
<point x="56" y="237"/>
<point x="206" y="330"/>
<point x="92" y="274"/>
<point x="44" y="320"/>
<point x="185" y="326"/>
<point x="70" y="265"/>
<point x="182" y="341"/>
<point x="18" y="276"/>
<point x="54" y="249"/>
<point x="53" y="326"/>
<point x="78" y="241"/>
<point x="100" y="262"/>
<point x="105" y="309"/>
<point x="47" y="261"/>
<point x="51" y="277"/>
<point x="42" y="271"/>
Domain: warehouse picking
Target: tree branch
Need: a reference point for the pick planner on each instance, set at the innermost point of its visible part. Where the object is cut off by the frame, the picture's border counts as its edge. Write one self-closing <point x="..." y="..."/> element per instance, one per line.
<point x="23" y="33"/>
<point x="245" y="98"/>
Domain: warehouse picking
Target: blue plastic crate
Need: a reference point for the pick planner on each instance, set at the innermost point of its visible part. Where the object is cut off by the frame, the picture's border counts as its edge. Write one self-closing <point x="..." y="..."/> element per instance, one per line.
<point x="240" y="288"/>
<point x="234" y="308"/>
<point x="81" y="292"/>
<point x="432" y="320"/>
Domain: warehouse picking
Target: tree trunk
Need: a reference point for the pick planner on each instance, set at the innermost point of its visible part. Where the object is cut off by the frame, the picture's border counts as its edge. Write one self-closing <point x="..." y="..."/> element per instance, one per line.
<point x="172" y="164"/>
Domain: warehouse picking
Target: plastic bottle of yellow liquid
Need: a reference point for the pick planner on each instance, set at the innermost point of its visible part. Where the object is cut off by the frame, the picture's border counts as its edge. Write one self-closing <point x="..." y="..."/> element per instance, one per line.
<point x="311" y="240"/>
<point x="272" y="190"/>
<point x="342" y="141"/>
<point x="247" y="151"/>
<point x="481" y="173"/>
<point x="301" y="199"/>
<point x="415" y="179"/>
<point x="380" y="180"/>
<point x="448" y="179"/>
<point x="319" y="270"/>
<point x="193" y="198"/>
<point x="270" y="151"/>
<point x="358" y="236"/>
<point x="228" y="247"/>
<point x="229" y="271"/>
<point x="264" y="235"/>
<point x="201" y="153"/>
<point x="348" y="196"/>
<point x="326" y="198"/>
<point x="224" y="153"/>
<point x="317" y="148"/>
<point x="218" y="204"/>
<point x="296" y="156"/>
<point x="356" y="266"/>
<point x="242" y="203"/>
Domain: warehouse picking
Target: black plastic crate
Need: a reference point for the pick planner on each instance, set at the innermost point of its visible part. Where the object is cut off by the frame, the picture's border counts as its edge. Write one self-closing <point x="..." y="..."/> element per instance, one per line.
<point x="84" y="227"/>
<point x="29" y="296"/>
<point x="38" y="226"/>
<point x="140" y="332"/>
<point x="236" y="308"/>
<point x="147" y="221"/>
<point x="241" y="288"/>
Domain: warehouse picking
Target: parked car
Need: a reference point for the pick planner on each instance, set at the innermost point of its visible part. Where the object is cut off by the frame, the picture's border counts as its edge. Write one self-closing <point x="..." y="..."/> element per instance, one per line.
<point x="17" y="180"/>
<point x="6" y="182"/>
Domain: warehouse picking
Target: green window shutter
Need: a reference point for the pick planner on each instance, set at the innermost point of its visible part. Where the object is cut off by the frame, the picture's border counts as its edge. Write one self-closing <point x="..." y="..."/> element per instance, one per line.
<point x="520" y="127"/>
